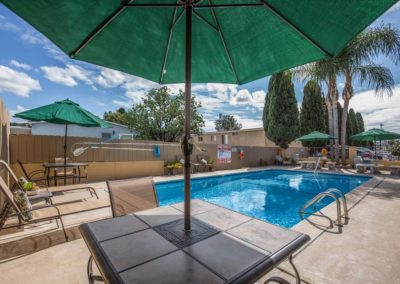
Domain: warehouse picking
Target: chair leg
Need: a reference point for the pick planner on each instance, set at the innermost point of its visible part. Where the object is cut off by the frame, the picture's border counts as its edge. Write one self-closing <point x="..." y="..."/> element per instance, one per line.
<point x="92" y="278"/>
<point x="279" y="280"/>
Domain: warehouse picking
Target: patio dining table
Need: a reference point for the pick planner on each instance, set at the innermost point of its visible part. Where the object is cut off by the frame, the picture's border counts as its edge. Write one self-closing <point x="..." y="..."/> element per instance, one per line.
<point x="48" y="167"/>
<point x="223" y="247"/>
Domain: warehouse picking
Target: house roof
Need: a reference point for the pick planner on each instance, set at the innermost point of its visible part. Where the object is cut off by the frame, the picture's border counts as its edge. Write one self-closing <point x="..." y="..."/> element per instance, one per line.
<point x="233" y="131"/>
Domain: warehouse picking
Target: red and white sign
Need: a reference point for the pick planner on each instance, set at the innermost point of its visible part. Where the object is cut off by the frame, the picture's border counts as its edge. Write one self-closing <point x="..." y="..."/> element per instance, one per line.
<point x="224" y="154"/>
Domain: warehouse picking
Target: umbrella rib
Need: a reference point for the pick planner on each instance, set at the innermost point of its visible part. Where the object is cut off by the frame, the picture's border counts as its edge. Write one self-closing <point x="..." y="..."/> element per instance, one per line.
<point x="171" y="30"/>
<point x="205" y="20"/>
<point x="221" y="34"/>
<point x="99" y="28"/>
<point x="289" y="23"/>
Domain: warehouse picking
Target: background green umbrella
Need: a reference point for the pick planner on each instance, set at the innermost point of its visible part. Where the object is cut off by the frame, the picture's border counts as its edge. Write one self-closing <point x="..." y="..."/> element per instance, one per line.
<point x="226" y="41"/>
<point x="375" y="134"/>
<point x="315" y="136"/>
<point x="63" y="112"/>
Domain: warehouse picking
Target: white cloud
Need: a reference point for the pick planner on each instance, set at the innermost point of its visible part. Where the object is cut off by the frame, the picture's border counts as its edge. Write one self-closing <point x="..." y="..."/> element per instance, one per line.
<point x="7" y="26"/>
<point x="244" y="97"/>
<point x="376" y="110"/>
<point x="17" y="64"/>
<point x="249" y="122"/>
<point x="109" y="78"/>
<point x="18" y="83"/>
<point x="17" y="110"/>
<point x="67" y="76"/>
<point x="122" y="104"/>
<point x="32" y="37"/>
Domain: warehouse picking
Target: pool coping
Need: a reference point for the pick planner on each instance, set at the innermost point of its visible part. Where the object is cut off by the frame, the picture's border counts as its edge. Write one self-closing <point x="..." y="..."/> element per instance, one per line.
<point x="165" y="180"/>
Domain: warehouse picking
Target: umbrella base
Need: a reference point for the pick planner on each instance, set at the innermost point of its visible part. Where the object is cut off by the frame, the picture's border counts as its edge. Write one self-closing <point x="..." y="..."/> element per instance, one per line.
<point x="174" y="232"/>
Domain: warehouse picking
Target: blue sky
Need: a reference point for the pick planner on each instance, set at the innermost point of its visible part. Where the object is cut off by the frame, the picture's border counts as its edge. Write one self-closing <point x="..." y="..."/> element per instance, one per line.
<point x="34" y="72"/>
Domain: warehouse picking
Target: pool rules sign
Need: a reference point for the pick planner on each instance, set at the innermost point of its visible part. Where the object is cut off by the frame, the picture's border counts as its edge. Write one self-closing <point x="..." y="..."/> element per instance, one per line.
<point x="224" y="154"/>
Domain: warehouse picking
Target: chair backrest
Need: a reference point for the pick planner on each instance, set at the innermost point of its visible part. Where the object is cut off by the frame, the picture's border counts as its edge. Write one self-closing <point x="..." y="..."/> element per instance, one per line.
<point x="61" y="161"/>
<point x="8" y="194"/>
<point x="131" y="195"/>
<point x="11" y="172"/>
<point x="23" y="169"/>
<point x="203" y="156"/>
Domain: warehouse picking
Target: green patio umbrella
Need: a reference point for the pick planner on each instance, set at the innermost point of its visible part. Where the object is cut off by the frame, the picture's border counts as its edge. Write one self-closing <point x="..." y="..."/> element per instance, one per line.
<point x="315" y="136"/>
<point x="63" y="112"/>
<point x="375" y="134"/>
<point x="201" y="41"/>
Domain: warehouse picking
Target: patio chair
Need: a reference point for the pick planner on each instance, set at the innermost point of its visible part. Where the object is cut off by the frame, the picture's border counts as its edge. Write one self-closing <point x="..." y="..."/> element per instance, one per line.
<point x="39" y="214"/>
<point x="33" y="176"/>
<point x="205" y="157"/>
<point x="43" y="213"/>
<point x="278" y="160"/>
<point x="131" y="195"/>
<point x="53" y="189"/>
<point x="59" y="173"/>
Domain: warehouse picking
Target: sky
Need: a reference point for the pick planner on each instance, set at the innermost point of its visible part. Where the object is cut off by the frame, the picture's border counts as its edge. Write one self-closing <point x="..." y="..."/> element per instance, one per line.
<point x="34" y="72"/>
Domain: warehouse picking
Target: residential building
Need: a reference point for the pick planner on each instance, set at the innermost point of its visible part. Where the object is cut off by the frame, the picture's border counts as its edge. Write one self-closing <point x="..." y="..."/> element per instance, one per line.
<point x="245" y="137"/>
<point x="116" y="131"/>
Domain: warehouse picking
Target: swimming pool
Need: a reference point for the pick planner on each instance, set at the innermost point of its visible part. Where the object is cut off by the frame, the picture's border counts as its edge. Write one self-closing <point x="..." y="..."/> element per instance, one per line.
<point x="271" y="195"/>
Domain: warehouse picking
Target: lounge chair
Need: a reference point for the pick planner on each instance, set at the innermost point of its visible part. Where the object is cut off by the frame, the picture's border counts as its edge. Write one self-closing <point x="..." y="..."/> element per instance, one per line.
<point x="42" y="213"/>
<point x="33" y="176"/>
<point x="131" y="195"/>
<point x="53" y="189"/>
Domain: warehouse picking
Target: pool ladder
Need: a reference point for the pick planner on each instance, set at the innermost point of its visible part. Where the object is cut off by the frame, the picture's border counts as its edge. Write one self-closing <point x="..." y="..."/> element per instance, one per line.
<point x="337" y="195"/>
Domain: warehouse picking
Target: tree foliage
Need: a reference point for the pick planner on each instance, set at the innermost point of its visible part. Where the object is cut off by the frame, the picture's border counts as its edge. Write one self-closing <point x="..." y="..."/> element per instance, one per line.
<point x="226" y="123"/>
<point x="312" y="116"/>
<point x="160" y="116"/>
<point x="360" y="122"/>
<point x="118" y="116"/>
<point x="281" y="115"/>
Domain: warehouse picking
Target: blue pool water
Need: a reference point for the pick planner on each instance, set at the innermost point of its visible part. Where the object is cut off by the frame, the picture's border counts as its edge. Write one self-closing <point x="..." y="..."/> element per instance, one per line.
<point x="271" y="195"/>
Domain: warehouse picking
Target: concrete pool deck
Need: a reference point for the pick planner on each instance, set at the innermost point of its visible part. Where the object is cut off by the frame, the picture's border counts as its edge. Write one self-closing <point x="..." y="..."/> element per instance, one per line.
<point x="366" y="251"/>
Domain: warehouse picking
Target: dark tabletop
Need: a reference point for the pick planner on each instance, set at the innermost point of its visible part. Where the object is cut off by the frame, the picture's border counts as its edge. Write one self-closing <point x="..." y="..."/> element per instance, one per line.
<point x="228" y="247"/>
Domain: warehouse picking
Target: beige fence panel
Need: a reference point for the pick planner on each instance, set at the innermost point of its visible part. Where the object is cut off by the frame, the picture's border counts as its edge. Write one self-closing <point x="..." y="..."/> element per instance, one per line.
<point x="4" y="142"/>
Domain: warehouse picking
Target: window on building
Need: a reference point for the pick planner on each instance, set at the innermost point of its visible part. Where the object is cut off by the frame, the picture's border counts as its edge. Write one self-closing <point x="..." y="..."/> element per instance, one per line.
<point x="224" y="139"/>
<point x="213" y="138"/>
<point x="235" y="133"/>
<point x="200" y="138"/>
<point x="106" y="135"/>
<point x="125" y="136"/>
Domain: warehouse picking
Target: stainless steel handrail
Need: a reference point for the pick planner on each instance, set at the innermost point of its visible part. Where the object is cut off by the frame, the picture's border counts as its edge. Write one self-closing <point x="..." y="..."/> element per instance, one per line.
<point x="343" y="198"/>
<point x="317" y="199"/>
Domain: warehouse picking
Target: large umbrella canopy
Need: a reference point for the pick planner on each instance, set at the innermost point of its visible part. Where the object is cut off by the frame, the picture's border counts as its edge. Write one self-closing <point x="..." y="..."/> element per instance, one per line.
<point x="63" y="112"/>
<point x="175" y="41"/>
<point x="315" y="136"/>
<point x="375" y="134"/>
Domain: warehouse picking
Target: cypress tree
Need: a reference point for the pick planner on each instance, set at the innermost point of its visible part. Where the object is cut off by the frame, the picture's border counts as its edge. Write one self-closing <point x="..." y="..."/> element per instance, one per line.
<point x="312" y="116"/>
<point x="266" y="117"/>
<point x="353" y="121"/>
<point x="360" y="122"/>
<point x="282" y="119"/>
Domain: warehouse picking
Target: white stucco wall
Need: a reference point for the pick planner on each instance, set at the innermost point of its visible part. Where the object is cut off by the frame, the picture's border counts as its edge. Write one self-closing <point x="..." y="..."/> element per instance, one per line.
<point x="77" y="131"/>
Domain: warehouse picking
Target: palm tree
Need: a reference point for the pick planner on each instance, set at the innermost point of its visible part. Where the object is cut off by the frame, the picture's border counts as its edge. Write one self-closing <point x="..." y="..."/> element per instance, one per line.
<point x="355" y="62"/>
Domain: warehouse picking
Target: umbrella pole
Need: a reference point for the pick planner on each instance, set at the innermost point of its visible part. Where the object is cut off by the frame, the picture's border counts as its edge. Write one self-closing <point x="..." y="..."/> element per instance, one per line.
<point x="65" y="153"/>
<point x="188" y="80"/>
